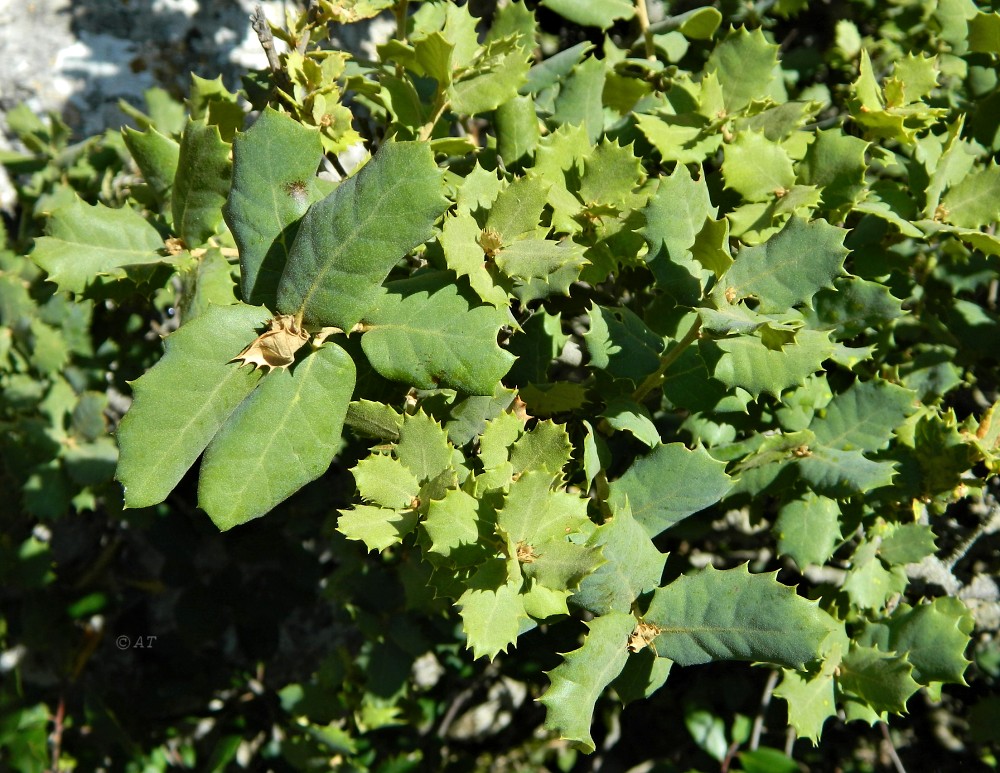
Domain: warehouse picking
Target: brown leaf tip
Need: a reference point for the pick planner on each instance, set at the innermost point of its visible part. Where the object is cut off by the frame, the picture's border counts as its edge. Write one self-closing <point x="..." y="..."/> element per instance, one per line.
<point x="276" y="347"/>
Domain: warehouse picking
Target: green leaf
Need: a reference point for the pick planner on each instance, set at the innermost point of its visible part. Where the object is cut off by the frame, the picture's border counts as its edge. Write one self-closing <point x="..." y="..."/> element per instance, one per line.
<point x="531" y="258"/>
<point x="371" y="419"/>
<point x="633" y="566"/>
<point x="545" y="447"/>
<point x="611" y="174"/>
<point x="517" y="209"/>
<point x="160" y="443"/>
<point x="984" y="33"/>
<point x="580" y="679"/>
<point x="627" y="415"/>
<point x="839" y="473"/>
<point x="463" y="254"/>
<point x="789" y="268"/>
<point x="882" y="680"/>
<point x="533" y="514"/>
<point x="517" y="129"/>
<point x="747" y="363"/>
<point x="424" y="333"/>
<point x="687" y="138"/>
<point x="274" y="182"/>
<point x="202" y="183"/>
<point x="747" y="68"/>
<point x="644" y="674"/>
<point x="379" y="528"/>
<point x="492" y="608"/>
<point x="675" y="216"/>
<point x="423" y="446"/>
<point x="452" y="523"/>
<point x="864" y="416"/>
<point x="853" y="306"/>
<point x="868" y="583"/>
<point x="668" y="484"/>
<point x="975" y="201"/>
<point x="386" y="481"/>
<point x="907" y="543"/>
<point x="494" y="77"/>
<point x="933" y="636"/>
<point x="808" y="529"/>
<point x="580" y="98"/>
<point x="592" y="13"/>
<point x="734" y="615"/>
<point x="620" y="344"/>
<point x="757" y="168"/>
<point x="83" y="242"/>
<point x="810" y="701"/>
<point x="348" y="242"/>
<point x="156" y="155"/>
<point x="283" y="436"/>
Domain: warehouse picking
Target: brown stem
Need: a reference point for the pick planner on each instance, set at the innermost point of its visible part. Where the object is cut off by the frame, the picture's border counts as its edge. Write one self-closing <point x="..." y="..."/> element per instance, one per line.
<point x="260" y="25"/>
<point x="765" y="702"/>
<point x="655" y="379"/>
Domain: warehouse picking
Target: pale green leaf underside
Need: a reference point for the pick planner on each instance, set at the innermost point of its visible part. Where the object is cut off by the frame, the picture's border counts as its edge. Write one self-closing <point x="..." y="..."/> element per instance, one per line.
<point x="284" y="435"/>
<point x="182" y="402"/>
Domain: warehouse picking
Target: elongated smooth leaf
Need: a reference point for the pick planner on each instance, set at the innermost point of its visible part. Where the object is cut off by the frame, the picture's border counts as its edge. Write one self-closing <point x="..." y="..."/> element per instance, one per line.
<point x="281" y="437"/>
<point x="84" y="242"/>
<point x="183" y="401"/>
<point x="580" y="679"/>
<point x="202" y="183"/>
<point x="348" y="242"/>
<point x="592" y="13"/>
<point x="274" y="182"/>
<point x="430" y="338"/>
<point x="668" y="484"/>
<point x="734" y="615"/>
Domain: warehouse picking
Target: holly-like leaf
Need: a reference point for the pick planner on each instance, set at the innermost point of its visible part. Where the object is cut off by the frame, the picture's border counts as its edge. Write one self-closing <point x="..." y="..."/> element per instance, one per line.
<point x="545" y="447"/>
<point x="975" y="201"/>
<point x="583" y="675"/>
<point x="492" y="608"/>
<point x="628" y="416"/>
<point x="868" y="583"/>
<point x="882" y="680"/>
<point x="274" y="182"/>
<point x="423" y="446"/>
<point x="580" y="98"/>
<point x="284" y="435"/>
<point x="748" y="363"/>
<point x="668" y="484"/>
<point x="156" y="155"/>
<point x="837" y="473"/>
<point x="757" y="168"/>
<point x="348" y="242"/>
<point x="808" y="529"/>
<point x="158" y="442"/>
<point x="386" y="481"/>
<point x="675" y="216"/>
<point x="464" y="255"/>
<point x="747" y="68"/>
<point x="810" y="701"/>
<point x="378" y="527"/>
<point x="933" y="637"/>
<point x="534" y="514"/>
<point x="621" y="344"/>
<point x="907" y="543"/>
<point x="734" y="615"/>
<point x="493" y="78"/>
<point x="984" y="33"/>
<point x="202" y="183"/>
<point x="424" y="333"/>
<point x="835" y="164"/>
<point x="789" y="268"/>
<point x="538" y="258"/>
<point x="853" y="306"/>
<point x="864" y="416"/>
<point x="611" y="174"/>
<point x="83" y="242"/>
<point x="633" y="566"/>
<point x="452" y="523"/>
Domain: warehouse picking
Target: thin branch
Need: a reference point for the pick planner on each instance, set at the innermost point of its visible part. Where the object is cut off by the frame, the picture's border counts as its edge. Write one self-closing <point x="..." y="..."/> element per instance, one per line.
<point x="647" y="34"/>
<point x="311" y="15"/>
<point x="765" y="702"/>
<point x="655" y="379"/>
<point x="890" y="747"/>
<point x="260" y="25"/>
<point x="400" y="10"/>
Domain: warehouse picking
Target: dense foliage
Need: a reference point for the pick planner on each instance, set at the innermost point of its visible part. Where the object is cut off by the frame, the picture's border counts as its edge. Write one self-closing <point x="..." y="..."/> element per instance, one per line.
<point x="627" y="348"/>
